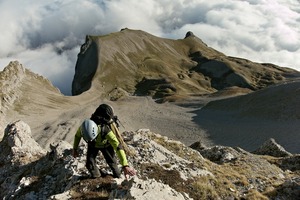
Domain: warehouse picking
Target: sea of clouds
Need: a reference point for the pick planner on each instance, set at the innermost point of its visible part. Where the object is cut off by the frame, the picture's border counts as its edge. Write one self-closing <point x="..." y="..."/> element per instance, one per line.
<point x="45" y="36"/>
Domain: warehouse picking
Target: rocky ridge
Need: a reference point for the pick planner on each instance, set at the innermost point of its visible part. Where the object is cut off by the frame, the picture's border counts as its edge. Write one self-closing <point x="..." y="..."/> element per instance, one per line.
<point x="166" y="69"/>
<point x="165" y="167"/>
<point x="13" y="77"/>
<point x="13" y="82"/>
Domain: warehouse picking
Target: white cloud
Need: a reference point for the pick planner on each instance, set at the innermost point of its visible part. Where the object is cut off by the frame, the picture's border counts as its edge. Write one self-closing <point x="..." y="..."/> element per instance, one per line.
<point x="45" y="36"/>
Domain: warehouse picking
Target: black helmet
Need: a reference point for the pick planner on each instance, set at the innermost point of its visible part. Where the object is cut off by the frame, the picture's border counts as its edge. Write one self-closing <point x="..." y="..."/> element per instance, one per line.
<point x="103" y="114"/>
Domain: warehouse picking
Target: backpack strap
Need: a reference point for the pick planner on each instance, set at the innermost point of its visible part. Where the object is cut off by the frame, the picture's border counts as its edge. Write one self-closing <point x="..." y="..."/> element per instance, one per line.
<point x="105" y="129"/>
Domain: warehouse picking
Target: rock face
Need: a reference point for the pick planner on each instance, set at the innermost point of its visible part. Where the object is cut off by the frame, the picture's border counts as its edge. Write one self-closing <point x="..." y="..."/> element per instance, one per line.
<point x="167" y="169"/>
<point x="174" y="67"/>
<point x="18" y="144"/>
<point x="86" y="66"/>
<point x="272" y="148"/>
<point x="220" y="154"/>
<point x="11" y="78"/>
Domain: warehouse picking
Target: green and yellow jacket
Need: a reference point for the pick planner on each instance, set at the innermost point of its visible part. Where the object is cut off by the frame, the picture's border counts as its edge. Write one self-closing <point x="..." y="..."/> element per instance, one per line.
<point x="105" y="138"/>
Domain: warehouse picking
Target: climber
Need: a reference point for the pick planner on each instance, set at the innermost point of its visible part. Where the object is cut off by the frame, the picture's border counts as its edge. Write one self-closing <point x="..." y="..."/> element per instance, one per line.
<point x="97" y="132"/>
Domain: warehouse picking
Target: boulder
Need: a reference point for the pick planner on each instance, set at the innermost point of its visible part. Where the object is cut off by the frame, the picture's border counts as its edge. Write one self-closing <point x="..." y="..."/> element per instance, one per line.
<point x="198" y="146"/>
<point x="19" y="146"/>
<point x="220" y="154"/>
<point x="272" y="148"/>
<point x="146" y="189"/>
<point x="60" y="149"/>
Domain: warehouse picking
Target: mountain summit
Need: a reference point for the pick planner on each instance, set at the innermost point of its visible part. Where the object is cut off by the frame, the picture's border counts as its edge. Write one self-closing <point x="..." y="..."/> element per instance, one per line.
<point x="139" y="63"/>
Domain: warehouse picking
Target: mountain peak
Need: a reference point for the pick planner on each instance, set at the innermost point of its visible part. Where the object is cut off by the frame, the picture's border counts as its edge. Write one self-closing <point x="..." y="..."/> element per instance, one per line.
<point x="174" y="69"/>
<point x="189" y="34"/>
<point x="10" y="79"/>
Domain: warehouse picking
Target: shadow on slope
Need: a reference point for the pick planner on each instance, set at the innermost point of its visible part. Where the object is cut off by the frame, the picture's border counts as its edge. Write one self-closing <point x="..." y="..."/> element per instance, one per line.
<point x="248" y="120"/>
<point x="87" y="68"/>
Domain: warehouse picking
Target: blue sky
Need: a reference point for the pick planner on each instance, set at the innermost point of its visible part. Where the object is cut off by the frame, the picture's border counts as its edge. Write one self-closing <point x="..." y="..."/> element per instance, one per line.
<point x="45" y="36"/>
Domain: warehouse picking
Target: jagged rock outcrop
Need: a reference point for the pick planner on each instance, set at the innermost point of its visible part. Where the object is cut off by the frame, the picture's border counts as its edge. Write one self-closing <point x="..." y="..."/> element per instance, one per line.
<point x="28" y="171"/>
<point x="272" y="148"/>
<point x="52" y="175"/>
<point x="167" y="169"/>
<point x="10" y="79"/>
<point x="220" y="154"/>
<point x="19" y="146"/>
<point x="17" y="86"/>
<point x="127" y="58"/>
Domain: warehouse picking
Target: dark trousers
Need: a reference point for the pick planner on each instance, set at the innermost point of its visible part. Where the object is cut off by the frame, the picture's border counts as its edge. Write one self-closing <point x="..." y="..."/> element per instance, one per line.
<point x="109" y="155"/>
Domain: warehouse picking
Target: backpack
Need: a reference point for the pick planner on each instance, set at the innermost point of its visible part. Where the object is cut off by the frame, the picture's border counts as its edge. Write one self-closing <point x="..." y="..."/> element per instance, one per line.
<point x="104" y="115"/>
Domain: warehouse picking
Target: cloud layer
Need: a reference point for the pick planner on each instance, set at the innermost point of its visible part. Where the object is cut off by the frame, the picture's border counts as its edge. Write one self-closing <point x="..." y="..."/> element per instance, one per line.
<point x="45" y="36"/>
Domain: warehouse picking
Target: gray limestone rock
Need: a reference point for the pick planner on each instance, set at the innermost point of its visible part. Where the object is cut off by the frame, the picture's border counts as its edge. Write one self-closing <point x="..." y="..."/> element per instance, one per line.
<point x="19" y="146"/>
<point x="220" y="154"/>
<point x="272" y="148"/>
